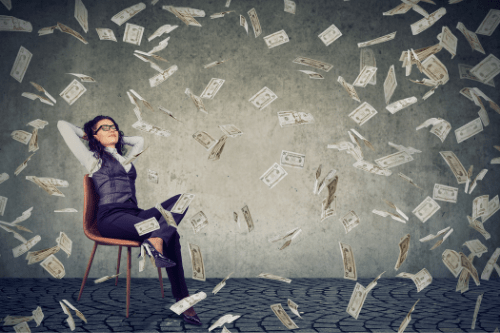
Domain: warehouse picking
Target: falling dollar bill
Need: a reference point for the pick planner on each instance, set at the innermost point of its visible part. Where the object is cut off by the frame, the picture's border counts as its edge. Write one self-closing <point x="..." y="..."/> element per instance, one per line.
<point x="188" y="302"/>
<point x="182" y="203"/>
<point x="330" y="35"/>
<point x="21" y="64"/>
<point x="197" y="262"/>
<point x="349" y="262"/>
<point x="147" y="226"/>
<point x="283" y="316"/>
<point x="273" y="175"/>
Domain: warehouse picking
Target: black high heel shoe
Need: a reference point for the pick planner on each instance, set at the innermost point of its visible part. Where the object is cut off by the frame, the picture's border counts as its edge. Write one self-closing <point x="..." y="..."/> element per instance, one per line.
<point x="160" y="259"/>
<point x="194" y="320"/>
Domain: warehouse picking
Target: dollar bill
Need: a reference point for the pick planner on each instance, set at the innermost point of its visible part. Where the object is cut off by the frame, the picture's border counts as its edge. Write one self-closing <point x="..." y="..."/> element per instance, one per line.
<point x="483" y="115"/>
<point x="357" y="300"/>
<point x="394" y="160"/>
<point x="402" y="8"/>
<point x="7" y="4"/>
<point x="37" y="256"/>
<point x="221" y="14"/>
<point x="47" y="30"/>
<point x="231" y="130"/>
<point x="212" y="88"/>
<point x="33" y="144"/>
<point x="404" y="247"/>
<point x="128" y="13"/>
<point x="463" y="280"/>
<point x="105" y="278"/>
<point x="213" y="64"/>
<point x="161" y="45"/>
<point x="435" y="70"/>
<point x="350" y="221"/>
<point x="81" y="15"/>
<point x="390" y="84"/>
<point x="488" y="269"/>
<point x="313" y="63"/>
<point x="372" y="168"/>
<point x="422" y="279"/>
<point x="25" y="247"/>
<point x="479" y="176"/>
<point x="439" y="242"/>
<point x="182" y="203"/>
<point x="55" y="268"/>
<point x="167" y="215"/>
<point x="248" y="217"/>
<point x="197" y="262"/>
<point x="276" y="39"/>
<point x="41" y="89"/>
<point x="226" y="319"/>
<point x="349" y="88"/>
<point x="3" y="177"/>
<point x="478" y="226"/>
<point x="106" y="34"/>
<point x="34" y="96"/>
<point x="293" y="307"/>
<point x="313" y="75"/>
<point x="378" y="40"/>
<point x="427" y="22"/>
<point x="164" y="29"/>
<point x="467" y="265"/>
<point x="349" y="262"/>
<point x="184" y="15"/>
<point x="465" y="73"/>
<point x="476" y="310"/>
<point x="77" y="312"/>
<point x="198" y="102"/>
<point x="199" y="221"/>
<point x="38" y="123"/>
<point x="22" y="328"/>
<point x="73" y="92"/>
<point x="426" y="209"/>
<point x="365" y="76"/>
<point x="290" y="6"/>
<point x="252" y="14"/>
<point x="451" y="260"/>
<point x="186" y="11"/>
<point x="291" y="159"/>
<point x="328" y="211"/>
<point x="431" y="236"/>
<point x="273" y="175"/>
<point x="455" y="165"/>
<point x="64" y="243"/>
<point x="490" y="23"/>
<point x="162" y="76"/>
<point x="244" y="23"/>
<point x="217" y="149"/>
<point x="367" y="58"/>
<point x="407" y="319"/>
<point x="487" y="69"/>
<point x="363" y="113"/>
<point x="23" y="165"/>
<point x="71" y="32"/>
<point x="445" y="193"/>
<point x="448" y="41"/>
<point x="469" y="130"/>
<point x="480" y="206"/>
<point x="10" y="23"/>
<point x="471" y="37"/>
<point x="133" y="34"/>
<point x="188" y="302"/>
<point x="330" y="35"/>
<point x="263" y="98"/>
<point x="476" y="247"/>
<point x="38" y="315"/>
<point x="148" y="128"/>
<point x="147" y="226"/>
<point x="21" y="136"/>
<point x="205" y="139"/>
<point x="401" y="104"/>
<point x="221" y="284"/>
<point x="21" y="64"/>
<point x="283" y="316"/>
<point x="228" y="3"/>
<point x="493" y="207"/>
<point x="294" y="118"/>
<point x="69" y="320"/>
<point x="274" y="277"/>
<point x="49" y="188"/>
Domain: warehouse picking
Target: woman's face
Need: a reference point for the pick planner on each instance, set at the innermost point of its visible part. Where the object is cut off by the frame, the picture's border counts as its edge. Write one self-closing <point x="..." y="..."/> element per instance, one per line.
<point x="106" y="138"/>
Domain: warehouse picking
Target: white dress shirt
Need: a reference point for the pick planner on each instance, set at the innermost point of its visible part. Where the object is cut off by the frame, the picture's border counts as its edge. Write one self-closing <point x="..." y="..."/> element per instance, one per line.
<point x="72" y="135"/>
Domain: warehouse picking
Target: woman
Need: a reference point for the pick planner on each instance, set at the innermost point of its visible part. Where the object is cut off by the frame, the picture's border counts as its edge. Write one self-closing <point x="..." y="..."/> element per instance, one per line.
<point x="117" y="208"/>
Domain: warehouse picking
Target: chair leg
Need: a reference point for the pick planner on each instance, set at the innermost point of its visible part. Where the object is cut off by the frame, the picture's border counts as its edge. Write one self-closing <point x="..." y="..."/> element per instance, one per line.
<point x="161" y="283"/>
<point x="87" y="271"/>
<point x="118" y="264"/>
<point x="129" y="267"/>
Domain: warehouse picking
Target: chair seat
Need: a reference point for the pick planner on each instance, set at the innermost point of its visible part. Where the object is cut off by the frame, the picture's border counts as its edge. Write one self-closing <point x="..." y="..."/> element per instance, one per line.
<point x="93" y="234"/>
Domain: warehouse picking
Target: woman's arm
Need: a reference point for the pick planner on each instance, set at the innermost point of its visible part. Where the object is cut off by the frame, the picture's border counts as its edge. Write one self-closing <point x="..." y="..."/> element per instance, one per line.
<point x="137" y="143"/>
<point x="72" y="135"/>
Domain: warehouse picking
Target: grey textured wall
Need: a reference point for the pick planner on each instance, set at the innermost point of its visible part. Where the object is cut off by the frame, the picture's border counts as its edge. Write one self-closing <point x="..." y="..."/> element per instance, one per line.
<point x="224" y="186"/>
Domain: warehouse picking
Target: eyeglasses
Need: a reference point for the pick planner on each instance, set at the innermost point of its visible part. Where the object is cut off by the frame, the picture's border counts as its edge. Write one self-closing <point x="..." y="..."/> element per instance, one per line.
<point x="106" y="128"/>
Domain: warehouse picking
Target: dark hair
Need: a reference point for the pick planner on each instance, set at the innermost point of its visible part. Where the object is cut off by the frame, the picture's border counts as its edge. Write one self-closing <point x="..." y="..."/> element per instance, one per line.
<point x="94" y="144"/>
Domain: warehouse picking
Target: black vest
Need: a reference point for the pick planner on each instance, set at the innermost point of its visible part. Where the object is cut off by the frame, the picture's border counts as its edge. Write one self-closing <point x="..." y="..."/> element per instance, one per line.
<point x="113" y="183"/>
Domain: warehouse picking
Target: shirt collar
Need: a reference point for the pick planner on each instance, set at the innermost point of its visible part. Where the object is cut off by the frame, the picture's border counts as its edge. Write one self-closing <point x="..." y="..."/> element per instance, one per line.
<point x="110" y="150"/>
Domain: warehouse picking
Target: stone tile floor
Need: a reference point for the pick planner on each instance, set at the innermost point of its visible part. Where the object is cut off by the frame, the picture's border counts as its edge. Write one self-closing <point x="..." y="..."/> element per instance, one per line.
<point x="322" y="301"/>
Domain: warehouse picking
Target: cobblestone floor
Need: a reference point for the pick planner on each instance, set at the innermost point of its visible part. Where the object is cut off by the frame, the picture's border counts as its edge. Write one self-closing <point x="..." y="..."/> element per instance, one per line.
<point x="322" y="301"/>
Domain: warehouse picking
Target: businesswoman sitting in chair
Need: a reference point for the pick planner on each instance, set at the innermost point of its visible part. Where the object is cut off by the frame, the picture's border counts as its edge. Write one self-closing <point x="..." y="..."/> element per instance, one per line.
<point x="117" y="208"/>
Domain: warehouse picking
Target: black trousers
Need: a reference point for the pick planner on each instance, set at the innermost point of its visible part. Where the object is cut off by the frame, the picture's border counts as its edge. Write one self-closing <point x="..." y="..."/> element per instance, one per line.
<point x="117" y="221"/>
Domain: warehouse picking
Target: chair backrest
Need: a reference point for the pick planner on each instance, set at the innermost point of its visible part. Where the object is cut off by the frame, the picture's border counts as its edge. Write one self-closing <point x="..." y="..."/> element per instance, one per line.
<point x="90" y="200"/>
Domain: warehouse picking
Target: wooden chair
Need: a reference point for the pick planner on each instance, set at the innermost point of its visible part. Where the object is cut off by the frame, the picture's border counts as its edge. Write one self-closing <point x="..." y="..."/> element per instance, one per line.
<point x="91" y="198"/>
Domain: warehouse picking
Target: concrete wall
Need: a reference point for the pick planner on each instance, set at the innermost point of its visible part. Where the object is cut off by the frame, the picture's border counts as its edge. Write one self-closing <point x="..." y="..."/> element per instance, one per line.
<point x="224" y="186"/>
